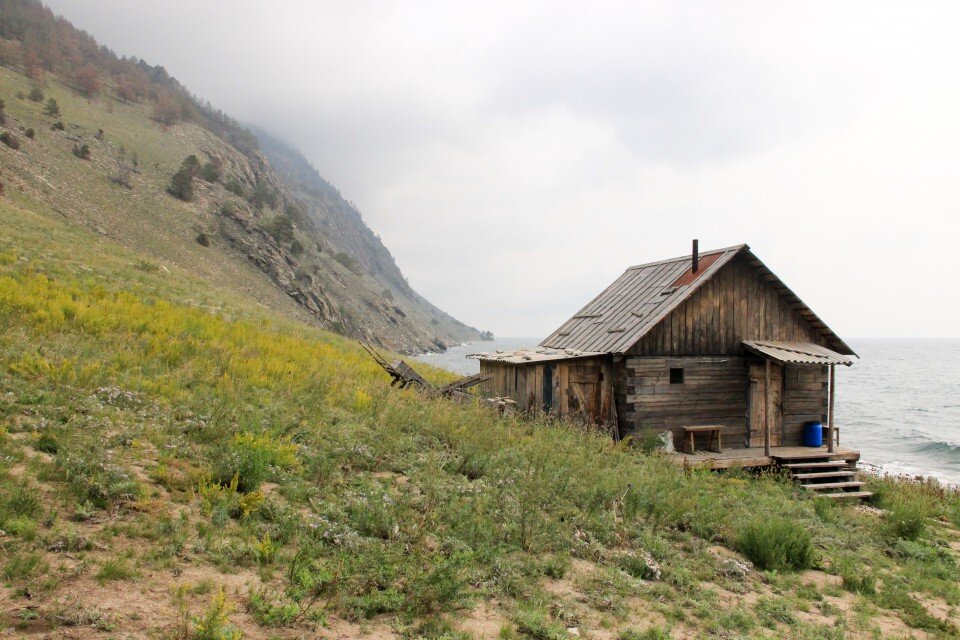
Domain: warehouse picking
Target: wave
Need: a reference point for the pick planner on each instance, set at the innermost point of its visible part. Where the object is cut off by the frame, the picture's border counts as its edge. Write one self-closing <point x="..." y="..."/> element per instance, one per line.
<point x="940" y="446"/>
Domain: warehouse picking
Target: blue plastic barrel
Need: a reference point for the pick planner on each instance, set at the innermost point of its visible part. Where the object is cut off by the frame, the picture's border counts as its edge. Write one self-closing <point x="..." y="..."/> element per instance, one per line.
<point x="812" y="434"/>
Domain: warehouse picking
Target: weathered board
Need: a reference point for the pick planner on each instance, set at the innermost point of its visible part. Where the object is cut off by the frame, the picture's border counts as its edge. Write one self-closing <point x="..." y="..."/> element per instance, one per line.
<point x="736" y="304"/>
<point x="580" y="389"/>
<point x="722" y="390"/>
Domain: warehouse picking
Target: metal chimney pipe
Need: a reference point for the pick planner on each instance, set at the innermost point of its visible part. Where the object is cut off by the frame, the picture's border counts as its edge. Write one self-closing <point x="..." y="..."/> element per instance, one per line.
<point x="696" y="256"/>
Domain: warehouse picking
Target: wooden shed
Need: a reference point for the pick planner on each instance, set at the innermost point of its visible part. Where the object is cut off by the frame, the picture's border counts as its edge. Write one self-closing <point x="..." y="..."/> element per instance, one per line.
<point x="710" y="346"/>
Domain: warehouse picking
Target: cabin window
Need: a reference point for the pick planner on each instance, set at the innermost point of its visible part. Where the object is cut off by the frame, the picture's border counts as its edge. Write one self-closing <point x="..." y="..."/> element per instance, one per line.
<point x="676" y="375"/>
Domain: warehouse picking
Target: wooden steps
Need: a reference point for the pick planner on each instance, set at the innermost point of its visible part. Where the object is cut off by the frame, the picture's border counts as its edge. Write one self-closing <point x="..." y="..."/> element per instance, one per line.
<point x="823" y="486"/>
<point x="847" y="495"/>
<point x="834" y="464"/>
<point x="825" y="474"/>
<point x="820" y="475"/>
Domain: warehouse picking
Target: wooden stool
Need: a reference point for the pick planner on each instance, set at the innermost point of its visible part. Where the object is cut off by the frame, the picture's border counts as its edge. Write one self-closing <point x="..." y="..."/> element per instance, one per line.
<point x="714" y="431"/>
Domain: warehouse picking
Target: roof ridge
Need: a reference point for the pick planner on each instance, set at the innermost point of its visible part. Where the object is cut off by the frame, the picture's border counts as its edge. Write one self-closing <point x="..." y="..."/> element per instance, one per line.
<point x="736" y="247"/>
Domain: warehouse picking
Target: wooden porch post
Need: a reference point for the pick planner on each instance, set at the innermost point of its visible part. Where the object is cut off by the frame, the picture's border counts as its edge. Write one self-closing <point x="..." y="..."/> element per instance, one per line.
<point x="832" y="395"/>
<point x="766" y="411"/>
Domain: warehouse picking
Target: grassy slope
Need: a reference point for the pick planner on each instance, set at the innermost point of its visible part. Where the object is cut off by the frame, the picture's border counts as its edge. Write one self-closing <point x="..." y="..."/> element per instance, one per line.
<point x="44" y="174"/>
<point x="177" y="463"/>
<point x="47" y="175"/>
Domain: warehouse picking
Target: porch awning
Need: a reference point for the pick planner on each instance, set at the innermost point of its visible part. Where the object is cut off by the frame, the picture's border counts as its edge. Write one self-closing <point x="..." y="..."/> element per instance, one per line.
<point x="789" y="352"/>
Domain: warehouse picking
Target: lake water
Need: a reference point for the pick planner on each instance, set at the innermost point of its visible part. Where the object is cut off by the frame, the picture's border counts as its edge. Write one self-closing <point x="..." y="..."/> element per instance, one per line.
<point x="899" y="404"/>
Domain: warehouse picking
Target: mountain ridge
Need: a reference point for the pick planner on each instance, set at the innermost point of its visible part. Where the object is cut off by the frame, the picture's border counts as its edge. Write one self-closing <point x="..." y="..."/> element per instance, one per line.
<point x="123" y="130"/>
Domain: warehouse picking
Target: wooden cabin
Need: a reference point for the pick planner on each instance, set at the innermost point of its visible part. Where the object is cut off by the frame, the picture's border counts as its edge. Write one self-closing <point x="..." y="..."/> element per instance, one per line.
<point x="711" y="346"/>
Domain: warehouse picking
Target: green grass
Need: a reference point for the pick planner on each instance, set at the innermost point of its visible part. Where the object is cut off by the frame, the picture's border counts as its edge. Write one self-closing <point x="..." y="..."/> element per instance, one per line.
<point x="162" y="425"/>
<point x="776" y="543"/>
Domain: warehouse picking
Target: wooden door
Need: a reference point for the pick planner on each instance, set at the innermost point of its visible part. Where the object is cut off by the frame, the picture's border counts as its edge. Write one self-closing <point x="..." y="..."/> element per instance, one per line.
<point x="758" y="403"/>
<point x="583" y="392"/>
<point x="547" y="388"/>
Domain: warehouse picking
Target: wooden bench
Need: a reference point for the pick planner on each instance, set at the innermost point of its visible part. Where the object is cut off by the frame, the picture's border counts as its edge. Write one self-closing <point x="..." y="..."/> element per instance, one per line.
<point x="714" y="431"/>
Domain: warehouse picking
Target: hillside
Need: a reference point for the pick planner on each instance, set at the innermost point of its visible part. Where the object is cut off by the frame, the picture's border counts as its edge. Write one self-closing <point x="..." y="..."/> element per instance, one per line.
<point x="343" y="228"/>
<point x="180" y="462"/>
<point x="121" y="131"/>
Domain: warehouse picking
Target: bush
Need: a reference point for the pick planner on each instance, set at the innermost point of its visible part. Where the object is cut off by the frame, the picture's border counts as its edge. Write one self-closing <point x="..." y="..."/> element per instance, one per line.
<point x="30" y="133"/>
<point x="8" y="139"/>
<point x="203" y="240"/>
<point x="96" y="480"/>
<point x="252" y="458"/>
<point x="906" y="519"/>
<point x="58" y="126"/>
<point x="280" y="227"/>
<point x="857" y="577"/>
<point x="210" y="172"/>
<point x="181" y="183"/>
<point x="263" y="195"/>
<point x="296" y="248"/>
<point x="36" y="94"/>
<point x="349" y="262"/>
<point x="776" y="544"/>
<point x="82" y="151"/>
<point x="234" y="187"/>
<point x="51" y="108"/>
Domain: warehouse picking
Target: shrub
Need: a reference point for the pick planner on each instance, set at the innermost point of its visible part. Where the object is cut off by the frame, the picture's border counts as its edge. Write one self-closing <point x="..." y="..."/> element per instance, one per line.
<point x="21" y="503"/>
<point x="221" y="502"/>
<point x="8" y="139"/>
<point x="210" y="172"/>
<point x="51" y="108"/>
<point x="776" y="544"/>
<point x="203" y="239"/>
<point x="30" y="133"/>
<point x="58" y="126"/>
<point x="280" y="228"/>
<point x="272" y="611"/>
<point x="906" y="519"/>
<point x="36" y="94"/>
<point x="94" y="479"/>
<point x="349" y="262"/>
<point x="181" y="183"/>
<point x="234" y="187"/>
<point x="857" y="577"/>
<point x="253" y="458"/>
<point x="214" y="624"/>
<point x="82" y="151"/>
<point x="296" y="248"/>
<point x="263" y="195"/>
<point x="116" y="569"/>
<point x="46" y="442"/>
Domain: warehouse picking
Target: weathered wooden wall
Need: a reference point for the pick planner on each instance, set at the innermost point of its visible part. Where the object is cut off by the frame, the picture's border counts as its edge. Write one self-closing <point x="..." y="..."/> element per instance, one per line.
<point x="582" y="388"/>
<point x="736" y="304"/>
<point x="804" y="400"/>
<point x="715" y="390"/>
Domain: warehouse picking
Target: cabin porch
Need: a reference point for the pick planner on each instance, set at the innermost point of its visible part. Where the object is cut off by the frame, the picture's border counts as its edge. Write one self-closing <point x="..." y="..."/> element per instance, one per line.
<point x="754" y="457"/>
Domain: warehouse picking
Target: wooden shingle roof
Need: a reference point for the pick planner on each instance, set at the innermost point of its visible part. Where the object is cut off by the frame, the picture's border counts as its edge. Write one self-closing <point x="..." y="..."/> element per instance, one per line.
<point x="645" y="294"/>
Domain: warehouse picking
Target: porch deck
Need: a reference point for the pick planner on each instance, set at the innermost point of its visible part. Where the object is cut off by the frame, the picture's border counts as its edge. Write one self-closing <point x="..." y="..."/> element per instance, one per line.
<point x="754" y="457"/>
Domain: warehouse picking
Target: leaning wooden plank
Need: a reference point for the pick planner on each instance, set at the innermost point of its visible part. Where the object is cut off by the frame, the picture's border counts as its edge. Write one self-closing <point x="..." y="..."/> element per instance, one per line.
<point x="466" y="383"/>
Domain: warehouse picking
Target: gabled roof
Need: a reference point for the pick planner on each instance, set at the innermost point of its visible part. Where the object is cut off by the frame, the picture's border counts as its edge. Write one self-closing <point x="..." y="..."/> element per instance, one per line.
<point x="645" y="294"/>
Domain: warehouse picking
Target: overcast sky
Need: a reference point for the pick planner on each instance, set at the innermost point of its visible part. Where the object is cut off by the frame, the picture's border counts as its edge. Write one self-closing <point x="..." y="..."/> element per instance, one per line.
<point x="515" y="157"/>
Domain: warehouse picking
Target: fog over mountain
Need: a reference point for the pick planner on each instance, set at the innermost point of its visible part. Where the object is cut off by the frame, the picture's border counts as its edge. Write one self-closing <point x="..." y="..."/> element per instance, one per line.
<point x="515" y="157"/>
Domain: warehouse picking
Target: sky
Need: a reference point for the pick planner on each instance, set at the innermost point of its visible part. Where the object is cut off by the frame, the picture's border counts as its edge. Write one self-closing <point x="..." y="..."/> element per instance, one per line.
<point x="516" y="156"/>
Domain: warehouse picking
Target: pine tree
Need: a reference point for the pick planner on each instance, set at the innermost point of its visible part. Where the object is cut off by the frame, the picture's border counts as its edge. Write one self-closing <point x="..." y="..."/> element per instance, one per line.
<point x="181" y="184"/>
<point x="51" y="108"/>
